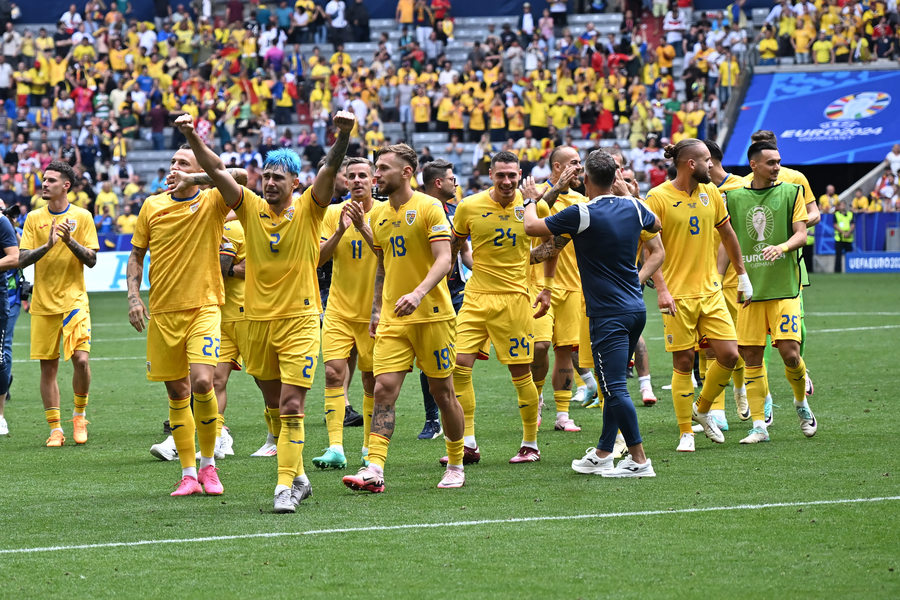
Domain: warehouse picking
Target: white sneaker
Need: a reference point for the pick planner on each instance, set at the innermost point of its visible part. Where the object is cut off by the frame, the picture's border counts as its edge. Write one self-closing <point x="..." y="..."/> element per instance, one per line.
<point x="697" y="428"/>
<point x="743" y="405"/>
<point x="300" y="491"/>
<point x="620" y="449"/>
<point x="628" y="468"/>
<point x="580" y="395"/>
<point x="592" y="464"/>
<point x="808" y="423"/>
<point x="227" y="442"/>
<point x="757" y="435"/>
<point x="4" y="426"/>
<point x="217" y="451"/>
<point x="165" y="450"/>
<point x="283" y="501"/>
<point x="270" y="448"/>
<point x="710" y="428"/>
<point x="686" y="443"/>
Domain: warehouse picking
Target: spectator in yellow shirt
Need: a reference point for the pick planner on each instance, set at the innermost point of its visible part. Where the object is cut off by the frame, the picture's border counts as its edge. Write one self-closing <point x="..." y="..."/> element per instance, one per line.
<point x="126" y="221"/>
<point x="801" y="40"/>
<point x="828" y="201"/>
<point x="768" y="48"/>
<point x="823" y="50"/>
<point x="421" y="110"/>
<point x="860" y="202"/>
<point x="106" y="197"/>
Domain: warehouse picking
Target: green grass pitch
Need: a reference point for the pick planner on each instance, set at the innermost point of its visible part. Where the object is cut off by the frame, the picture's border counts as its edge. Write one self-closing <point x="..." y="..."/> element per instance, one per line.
<point x="112" y="490"/>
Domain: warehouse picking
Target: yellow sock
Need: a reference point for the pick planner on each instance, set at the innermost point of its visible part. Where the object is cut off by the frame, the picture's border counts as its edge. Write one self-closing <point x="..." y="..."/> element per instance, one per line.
<point x="454" y="452"/>
<point x="755" y="380"/>
<point x="334" y="415"/>
<point x="719" y="402"/>
<point x="290" y="449"/>
<point x="52" y="416"/>
<point x="81" y="402"/>
<point x="717" y="377"/>
<point x="562" y="398"/>
<point x="737" y="377"/>
<point x="274" y="421"/>
<point x="702" y="365"/>
<point x="465" y="393"/>
<point x="528" y="406"/>
<point x="796" y="376"/>
<point x="378" y="447"/>
<point x="539" y="386"/>
<point x="220" y="423"/>
<point x="682" y="399"/>
<point x="368" y="407"/>
<point x="765" y="380"/>
<point x="182" y="423"/>
<point x="206" y="413"/>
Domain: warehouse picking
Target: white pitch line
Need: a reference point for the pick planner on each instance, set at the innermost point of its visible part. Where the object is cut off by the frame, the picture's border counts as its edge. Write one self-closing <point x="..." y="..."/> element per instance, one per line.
<point x="852" y="314"/>
<point x="93" y="358"/>
<point x="812" y="331"/>
<point x="276" y="534"/>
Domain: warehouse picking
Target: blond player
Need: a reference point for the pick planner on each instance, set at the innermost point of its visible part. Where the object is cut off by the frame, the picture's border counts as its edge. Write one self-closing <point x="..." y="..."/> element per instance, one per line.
<point x="282" y="302"/>
<point x="412" y="314"/>
<point x="59" y="240"/>
<point x="497" y="306"/>
<point x="346" y="238"/>
<point x="691" y="209"/>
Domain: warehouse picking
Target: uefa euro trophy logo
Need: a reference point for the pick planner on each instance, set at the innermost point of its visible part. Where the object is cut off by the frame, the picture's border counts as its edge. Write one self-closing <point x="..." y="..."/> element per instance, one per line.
<point x="760" y="223"/>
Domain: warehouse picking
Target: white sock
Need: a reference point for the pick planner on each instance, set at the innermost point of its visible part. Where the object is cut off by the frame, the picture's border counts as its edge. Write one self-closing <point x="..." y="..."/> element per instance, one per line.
<point x="719" y="415"/>
<point x="768" y="397"/>
<point x="760" y="425"/>
<point x="799" y="403"/>
<point x="365" y="451"/>
<point x="271" y="439"/>
<point x="469" y="441"/>
<point x="77" y="414"/>
<point x="207" y="461"/>
<point x="742" y="389"/>
<point x="337" y="448"/>
<point x="301" y="479"/>
<point x="588" y="379"/>
<point x="562" y="415"/>
<point x="532" y="445"/>
<point x="644" y="380"/>
<point x="280" y="488"/>
<point x="189" y="472"/>
<point x="56" y="429"/>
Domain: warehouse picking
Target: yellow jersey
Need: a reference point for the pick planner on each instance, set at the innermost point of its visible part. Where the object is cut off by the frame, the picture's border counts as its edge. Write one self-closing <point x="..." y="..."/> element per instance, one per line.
<point x="104" y="199"/>
<point x="567" y="277"/>
<point x="689" y="236"/>
<point x="126" y="223"/>
<point x="405" y="236"/>
<point x="500" y="246"/>
<point x="788" y="175"/>
<point x="233" y="309"/>
<point x="58" y="275"/>
<point x="183" y="236"/>
<point x="731" y="182"/>
<point x="421" y="109"/>
<point x="282" y="255"/>
<point x="353" y="271"/>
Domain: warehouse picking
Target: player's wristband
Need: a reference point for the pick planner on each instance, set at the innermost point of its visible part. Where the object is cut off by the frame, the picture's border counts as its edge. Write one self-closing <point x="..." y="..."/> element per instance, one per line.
<point x="528" y="201"/>
<point x="784" y="248"/>
<point x="548" y="283"/>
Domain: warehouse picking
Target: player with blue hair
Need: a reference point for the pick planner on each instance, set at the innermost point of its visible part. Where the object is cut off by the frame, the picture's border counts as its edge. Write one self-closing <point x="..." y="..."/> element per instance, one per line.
<point x="281" y="299"/>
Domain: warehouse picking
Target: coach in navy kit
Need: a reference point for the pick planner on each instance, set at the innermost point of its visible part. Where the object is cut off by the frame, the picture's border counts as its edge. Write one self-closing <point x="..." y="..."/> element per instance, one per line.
<point x="606" y="232"/>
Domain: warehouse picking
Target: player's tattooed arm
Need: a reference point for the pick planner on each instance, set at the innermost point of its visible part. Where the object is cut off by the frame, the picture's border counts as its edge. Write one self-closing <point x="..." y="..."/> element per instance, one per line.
<point x="376" y="299"/>
<point x="456" y="246"/>
<point x="323" y="186"/>
<point x="549" y="249"/>
<point x="383" y="420"/>
<point x="29" y="257"/>
<point x="225" y="262"/>
<point x="134" y="273"/>
<point x="239" y="175"/>
<point x="87" y="256"/>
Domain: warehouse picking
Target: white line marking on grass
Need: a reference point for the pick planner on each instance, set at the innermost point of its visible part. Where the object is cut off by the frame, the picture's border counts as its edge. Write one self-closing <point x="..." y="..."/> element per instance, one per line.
<point x="276" y="534"/>
<point x="98" y="340"/>
<point x="852" y="314"/>
<point x="814" y="331"/>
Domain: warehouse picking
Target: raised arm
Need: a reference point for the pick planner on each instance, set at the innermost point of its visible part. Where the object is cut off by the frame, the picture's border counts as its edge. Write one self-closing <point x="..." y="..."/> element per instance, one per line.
<point x="134" y="274"/>
<point x="408" y="303"/>
<point x="323" y="186"/>
<point x="326" y="248"/>
<point x="181" y="178"/>
<point x="210" y="162"/>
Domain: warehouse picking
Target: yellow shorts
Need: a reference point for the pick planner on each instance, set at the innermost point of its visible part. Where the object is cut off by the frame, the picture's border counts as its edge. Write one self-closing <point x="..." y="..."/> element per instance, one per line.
<point x="543" y="327"/>
<point x="695" y="318"/>
<point x="339" y="336"/>
<point x="233" y="342"/>
<point x="778" y="318"/>
<point x="504" y="319"/>
<point x="731" y="296"/>
<point x="284" y="349"/>
<point x="73" y="327"/>
<point x="568" y="310"/>
<point x="431" y="344"/>
<point x="180" y="338"/>
<point x="585" y="354"/>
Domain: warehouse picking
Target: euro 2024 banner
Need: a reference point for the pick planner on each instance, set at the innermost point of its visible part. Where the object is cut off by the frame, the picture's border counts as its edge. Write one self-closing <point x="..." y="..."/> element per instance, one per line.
<point x="821" y="118"/>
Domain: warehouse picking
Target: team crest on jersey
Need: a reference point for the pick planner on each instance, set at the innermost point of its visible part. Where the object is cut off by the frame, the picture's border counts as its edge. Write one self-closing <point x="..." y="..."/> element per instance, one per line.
<point x="520" y="213"/>
<point x="410" y="217"/>
<point x="195" y="207"/>
<point x="148" y="366"/>
<point x="289" y="213"/>
<point x="704" y="199"/>
<point x="670" y="339"/>
<point x="73" y="224"/>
